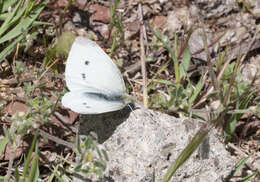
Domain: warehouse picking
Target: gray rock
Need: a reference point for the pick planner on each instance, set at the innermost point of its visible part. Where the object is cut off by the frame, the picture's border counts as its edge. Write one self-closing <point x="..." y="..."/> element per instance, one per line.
<point x="196" y="44"/>
<point x="146" y="141"/>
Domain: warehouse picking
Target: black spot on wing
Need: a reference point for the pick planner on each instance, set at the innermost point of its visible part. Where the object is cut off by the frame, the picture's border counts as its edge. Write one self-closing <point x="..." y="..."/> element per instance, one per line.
<point x="86" y="62"/>
<point x="83" y="75"/>
<point x="85" y="105"/>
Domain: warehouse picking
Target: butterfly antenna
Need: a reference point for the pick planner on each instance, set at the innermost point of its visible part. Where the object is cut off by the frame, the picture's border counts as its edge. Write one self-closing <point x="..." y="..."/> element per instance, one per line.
<point x="132" y="109"/>
<point x="129" y="105"/>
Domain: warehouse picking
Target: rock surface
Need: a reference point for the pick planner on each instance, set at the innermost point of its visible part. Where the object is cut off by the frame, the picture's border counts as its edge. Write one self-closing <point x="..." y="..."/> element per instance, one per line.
<point x="144" y="141"/>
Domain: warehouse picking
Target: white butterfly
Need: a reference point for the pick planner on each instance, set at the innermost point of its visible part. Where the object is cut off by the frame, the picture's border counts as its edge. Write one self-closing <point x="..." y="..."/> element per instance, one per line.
<point x="95" y="83"/>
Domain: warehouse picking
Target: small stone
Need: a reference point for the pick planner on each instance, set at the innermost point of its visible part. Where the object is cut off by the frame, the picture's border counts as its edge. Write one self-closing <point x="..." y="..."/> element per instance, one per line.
<point x="100" y="13"/>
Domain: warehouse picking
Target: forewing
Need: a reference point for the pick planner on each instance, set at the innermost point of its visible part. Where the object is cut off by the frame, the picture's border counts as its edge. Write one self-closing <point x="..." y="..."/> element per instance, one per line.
<point x="88" y="67"/>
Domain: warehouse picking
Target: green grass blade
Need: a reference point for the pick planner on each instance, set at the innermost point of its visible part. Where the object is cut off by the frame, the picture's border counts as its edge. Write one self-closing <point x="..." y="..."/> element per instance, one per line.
<point x="6" y="4"/>
<point x="185" y="63"/>
<point x="245" y="101"/>
<point x="18" y="16"/>
<point x="241" y="163"/>
<point x="175" y="59"/>
<point x="165" y="82"/>
<point x="241" y="103"/>
<point x="245" y="179"/>
<point x="17" y="30"/>
<point x="8" y="19"/>
<point x="173" y="54"/>
<point x="161" y="69"/>
<point x="58" y="175"/>
<point x="28" y="158"/>
<point x="53" y="174"/>
<point x="4" y="16"/>
<point x="10" y="47"/>
<point x="3" y="143"/>
<point x="34" y="172"/>
<point x="16" y="175"/>
<point x="29" y="7"/>
<point x="186" y="153"/>
<point x="197" y="90"/>
<point x="38" y="23"/>
<point x="24" y="24"/>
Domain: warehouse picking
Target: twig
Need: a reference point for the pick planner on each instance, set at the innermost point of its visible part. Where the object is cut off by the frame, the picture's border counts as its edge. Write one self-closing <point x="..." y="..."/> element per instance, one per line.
<point x="236" y="68"/>
<point x="231" y="57"/>
<point x="209" y="63"/>
<point x="132" y="69"/>
<point x="233" y="51"/>
<point x="56" y="139"/>
<point x="49" y="137"/>
<point x="27" y="78"/>
<point x="243" y="154"/>
<point x="10" y="164"/>
<point x="65" y="122"/>
<point x="210" y="90"/>
<point x="48" y="68"/>
<point x="143" y="67"/>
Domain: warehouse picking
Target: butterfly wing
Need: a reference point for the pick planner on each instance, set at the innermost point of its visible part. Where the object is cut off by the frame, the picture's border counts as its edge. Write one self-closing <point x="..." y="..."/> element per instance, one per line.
<point x="89" y="103"/>
<point x="94" y="81"/>
<point x="89" y="68"/>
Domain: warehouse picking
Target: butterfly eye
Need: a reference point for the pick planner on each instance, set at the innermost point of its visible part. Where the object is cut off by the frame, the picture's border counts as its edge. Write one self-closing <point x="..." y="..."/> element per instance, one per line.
<point x="86" y="62"/>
